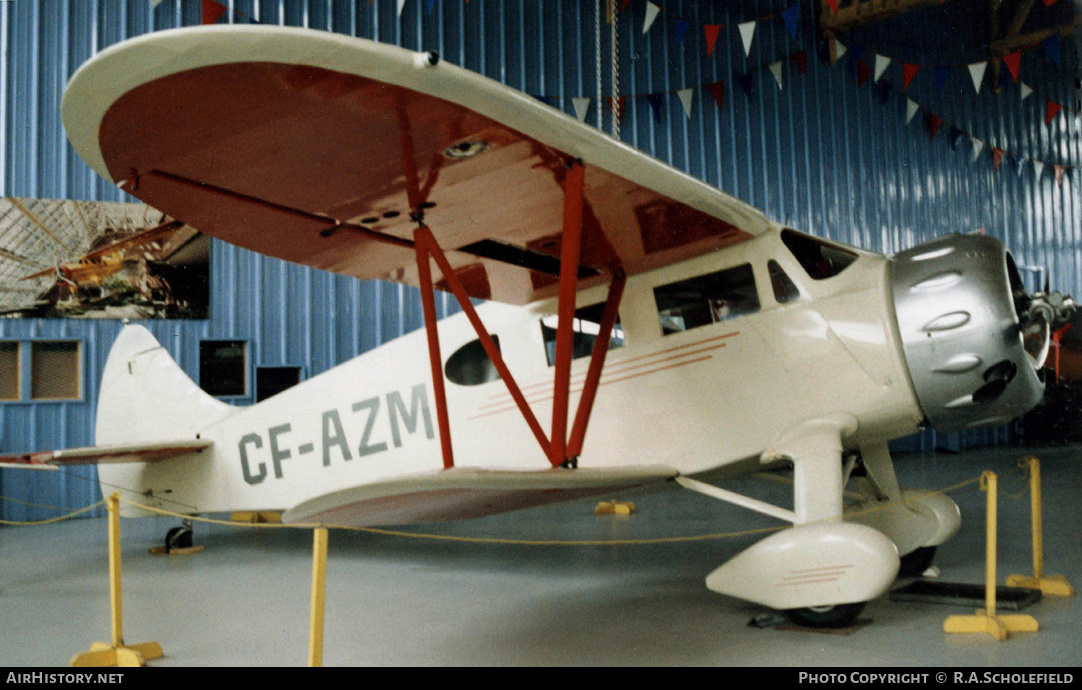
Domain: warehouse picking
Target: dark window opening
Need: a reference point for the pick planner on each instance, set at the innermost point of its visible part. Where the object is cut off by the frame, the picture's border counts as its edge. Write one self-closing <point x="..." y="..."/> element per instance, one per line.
<point x="470" y="365"/>
<point x="819" y="259"/>
<point x="585" y="329"/>
<point x="270" y="381"/>
<point x="55" y="370"/>
<point x="10" y="380"/>
<point x="707" y="299"/>
<point x="784" y="288"/>
<point x="223" y="367"/>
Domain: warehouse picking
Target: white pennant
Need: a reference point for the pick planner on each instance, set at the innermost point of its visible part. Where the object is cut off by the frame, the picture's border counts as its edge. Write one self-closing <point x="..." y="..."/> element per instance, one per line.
<point x="401" y="4"/>
<point x="840" y="49"/>
<point x="582" y="106"/>
<point x="747" y="33"/>
<point x="685" y="100"/>
<point x="976" y="70"/>
<point x="1038" y="168"/>
<point x="881" y="64"/>
<point x="1026" y="91"/>
<point x="775" y="69"/>
<point x="651" y="15"/>
<point x="978" y="146"/>
<point x="911" y="109"/>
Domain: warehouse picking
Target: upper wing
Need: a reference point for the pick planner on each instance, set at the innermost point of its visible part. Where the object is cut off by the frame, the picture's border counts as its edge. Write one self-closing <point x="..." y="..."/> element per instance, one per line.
<point x="92" y="455"/>
<point x="318" y="148"/>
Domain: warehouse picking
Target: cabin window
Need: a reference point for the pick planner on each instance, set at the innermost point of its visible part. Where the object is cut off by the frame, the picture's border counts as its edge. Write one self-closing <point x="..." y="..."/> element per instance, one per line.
<point x="470" y="365"/>
<point x="270" y="381"/>
<point x="223" y="367"/>
<point x="10" y="380"/>
<point x="784" y="288"/>
<point x="706" y="299"/>
<point x="585" y="328"/>
<point x="820" y="259"/>
<point x="55" y="370"/>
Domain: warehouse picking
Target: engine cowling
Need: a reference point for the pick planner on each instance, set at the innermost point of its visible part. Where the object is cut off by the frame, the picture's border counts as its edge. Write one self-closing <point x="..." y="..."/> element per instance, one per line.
<point x="973" y="338"/>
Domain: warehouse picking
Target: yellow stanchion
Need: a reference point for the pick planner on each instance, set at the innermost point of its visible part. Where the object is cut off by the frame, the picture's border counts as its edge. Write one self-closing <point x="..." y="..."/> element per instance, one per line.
<point x="987" y="621"/>
<point x="117" y="653"/>
<point x="1055" y="585"/>
<point x="319" y="580"/>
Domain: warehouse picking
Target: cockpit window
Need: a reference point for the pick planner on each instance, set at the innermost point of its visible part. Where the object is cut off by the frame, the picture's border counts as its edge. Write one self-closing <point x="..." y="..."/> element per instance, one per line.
<point x="707" y="299"/>
<point x="470" y="365"/>
<point x="819" y="259"/>
<point x="585" y="329"/>
<point x="784" y="288"/>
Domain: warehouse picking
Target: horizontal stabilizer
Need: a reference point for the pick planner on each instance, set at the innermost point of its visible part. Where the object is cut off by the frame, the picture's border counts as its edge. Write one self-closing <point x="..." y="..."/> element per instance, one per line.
<point x="94" y="455"/>
<point x="460" y="493"/>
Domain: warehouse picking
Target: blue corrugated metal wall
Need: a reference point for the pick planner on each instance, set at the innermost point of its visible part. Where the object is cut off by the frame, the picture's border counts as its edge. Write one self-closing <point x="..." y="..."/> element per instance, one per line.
<point x="819" y="152"/>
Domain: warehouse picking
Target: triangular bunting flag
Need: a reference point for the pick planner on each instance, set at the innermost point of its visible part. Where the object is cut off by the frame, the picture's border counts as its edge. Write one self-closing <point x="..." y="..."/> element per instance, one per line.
<point x="746" y="81"/>
<point x="654" y="100"/>
<point x="791" y="17"/>
<point x="212" y="11"/>
<point x="717" y="90"/>
<point x="855" y="55"/>
<point x="624" y="4"/>
<point x="863" y="72"/>
<point x="429" y="6"/>
<point x="1013" y="62"/>
<point x="997" y="157"/>
<point x="582" y="107"/>
<point x="801" y="60"/>
<point x="711" y="33"/>
<point x="883" y="89"/>
<point x="1026" y="91"/>
<point x="956" y="135"/>
<point x="681" y="31"/>
<point x="685" y="96"/>
<point x="976" y="70"/>
<point x="941" y="74"/>
<point x="1050" y="111"/>
<point x="775" y="69"/>
<point x="911" y="109"/>
<point x="833" y="4"/>
<point x="1059" y="174"/>
<point x="651" y="15"/>
<point x="1051" y="47"/>
<point x="747" y="34"/>
<point x="932" y="123"/>
<point x="978" y="146"/>
<point x="840" y="48"/>
<point x="401" y="4"/>
<point x="909" y="71"/>
<point x="881" y="64"/>
<point x="617" y="106"/>
<point x="1038" y="168"/>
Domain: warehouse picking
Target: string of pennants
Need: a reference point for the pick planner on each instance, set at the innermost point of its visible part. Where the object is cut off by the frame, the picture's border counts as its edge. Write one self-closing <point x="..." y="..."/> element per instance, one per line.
<point x="858" y="59"/>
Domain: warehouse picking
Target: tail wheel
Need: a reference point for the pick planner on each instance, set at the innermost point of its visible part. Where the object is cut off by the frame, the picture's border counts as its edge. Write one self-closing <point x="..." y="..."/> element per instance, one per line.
<point x="916" y="561"/>
<point x="178" y="538"/>
<point x="837" y="616"/>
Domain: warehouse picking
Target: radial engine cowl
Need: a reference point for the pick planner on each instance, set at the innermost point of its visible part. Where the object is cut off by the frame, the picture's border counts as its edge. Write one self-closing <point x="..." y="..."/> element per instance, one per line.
<point x="955" y="302"/>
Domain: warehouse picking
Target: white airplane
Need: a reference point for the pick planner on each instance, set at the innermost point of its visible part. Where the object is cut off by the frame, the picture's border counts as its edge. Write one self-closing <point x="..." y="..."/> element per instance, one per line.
<point x="640" y="327"/>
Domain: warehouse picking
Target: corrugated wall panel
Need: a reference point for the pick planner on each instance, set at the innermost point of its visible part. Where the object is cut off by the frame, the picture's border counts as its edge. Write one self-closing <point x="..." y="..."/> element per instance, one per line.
<point x="820" y="153"/>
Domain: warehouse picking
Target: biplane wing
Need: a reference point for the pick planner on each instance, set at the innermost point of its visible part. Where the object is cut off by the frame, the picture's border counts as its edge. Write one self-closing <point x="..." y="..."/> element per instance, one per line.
<point x="95" y="455"/>
<point x="328" y="150"/>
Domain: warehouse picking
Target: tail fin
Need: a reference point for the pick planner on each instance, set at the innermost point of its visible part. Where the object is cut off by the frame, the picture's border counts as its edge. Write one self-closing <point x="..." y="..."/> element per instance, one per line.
<point x="145" y="396"/>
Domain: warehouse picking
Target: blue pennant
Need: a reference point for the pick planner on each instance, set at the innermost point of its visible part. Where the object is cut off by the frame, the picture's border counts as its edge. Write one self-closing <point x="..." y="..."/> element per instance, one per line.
<point x="956" y="134"/>
<point x="655" y="102"/>
<point x="941" y="74"/>
<point x="883" y="89"/>
<point x="681" y="30"/>
<point x="791" y="17"/>
<point x="746" y="81"/>
<point x="1051" y="46"/>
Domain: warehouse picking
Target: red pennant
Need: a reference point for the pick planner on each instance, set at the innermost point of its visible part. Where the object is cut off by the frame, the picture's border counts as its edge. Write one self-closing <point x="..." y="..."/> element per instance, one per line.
<point x="1013" y="61"/>
<point x="212" y="11"/>
<point x="711" y="31"/>
<point x="1059" y="174"/>
<point x="1049" y="3"/>
<point x="717" y="89"/>
<point x="623" y="5"/>
<point x="1051" y="111"/>
<point x="801" y="60"/>
<point x="997" y="157"/>
<point x="618" y="106"/>
<point x="833" y="6"/>
<point x="863" y="72"/>
<point x="908" y="72"/>
<point x="933" y="123"/>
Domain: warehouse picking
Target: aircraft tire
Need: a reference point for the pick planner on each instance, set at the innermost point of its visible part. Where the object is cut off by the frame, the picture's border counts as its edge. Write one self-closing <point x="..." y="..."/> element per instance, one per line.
<point x="837" y="616"/>
<point x="916" y="561"/>
<point x="178" y="538"/>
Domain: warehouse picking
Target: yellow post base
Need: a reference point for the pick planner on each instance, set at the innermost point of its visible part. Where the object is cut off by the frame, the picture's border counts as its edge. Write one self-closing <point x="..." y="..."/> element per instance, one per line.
<point x="1053" y="585"/>
<point x="103" y="654"/>
<point x="257" y="517"/>
<point x="998" y="627"/>
<point x="614" y="508"/>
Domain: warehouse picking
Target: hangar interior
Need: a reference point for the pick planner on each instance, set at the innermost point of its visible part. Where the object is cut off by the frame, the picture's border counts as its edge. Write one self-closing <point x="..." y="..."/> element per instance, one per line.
<point x="875" y="130"/>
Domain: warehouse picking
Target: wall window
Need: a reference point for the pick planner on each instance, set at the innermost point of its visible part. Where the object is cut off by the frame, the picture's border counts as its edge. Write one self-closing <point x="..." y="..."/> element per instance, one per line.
<point x="585" y="327"/>
<point x="55" y="370"/>
<point x="273" y="380"/>
<point x="706" y="299"/>
<point x="223" y="367"/>
<point x="10" y="370"/>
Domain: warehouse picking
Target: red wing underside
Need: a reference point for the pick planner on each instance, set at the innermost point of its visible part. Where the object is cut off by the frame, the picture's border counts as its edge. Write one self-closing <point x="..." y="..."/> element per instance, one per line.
<point x="96" y="455"/>
<point x="317" y="166"/>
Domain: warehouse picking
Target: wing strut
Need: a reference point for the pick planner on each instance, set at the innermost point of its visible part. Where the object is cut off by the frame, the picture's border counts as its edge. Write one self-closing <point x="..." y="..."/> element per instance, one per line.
<point x="560" y="450"/>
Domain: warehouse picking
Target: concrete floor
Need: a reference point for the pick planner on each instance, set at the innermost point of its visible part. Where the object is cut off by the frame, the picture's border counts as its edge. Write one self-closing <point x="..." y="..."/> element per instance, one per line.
<point x="391" y="600"/>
